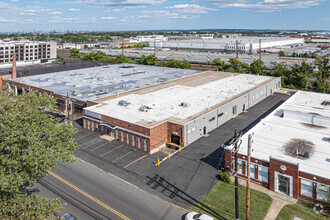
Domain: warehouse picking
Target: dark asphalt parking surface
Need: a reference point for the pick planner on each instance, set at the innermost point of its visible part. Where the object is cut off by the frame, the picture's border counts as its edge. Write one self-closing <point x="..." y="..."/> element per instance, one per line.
<point x="187" y="176"/>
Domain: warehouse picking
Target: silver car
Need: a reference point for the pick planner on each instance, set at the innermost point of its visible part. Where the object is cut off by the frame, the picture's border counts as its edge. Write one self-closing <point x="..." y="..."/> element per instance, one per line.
<point x="197" y="216"/>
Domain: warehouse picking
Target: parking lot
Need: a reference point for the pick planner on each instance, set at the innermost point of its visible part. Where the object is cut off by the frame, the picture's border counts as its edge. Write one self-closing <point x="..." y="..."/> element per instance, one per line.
<point x="113" y="152"/>
<point x="187" y="176"/>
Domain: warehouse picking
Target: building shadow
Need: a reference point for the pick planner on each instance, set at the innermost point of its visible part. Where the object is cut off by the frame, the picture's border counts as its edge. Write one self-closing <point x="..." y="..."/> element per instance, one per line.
<point x="166" y="188"/>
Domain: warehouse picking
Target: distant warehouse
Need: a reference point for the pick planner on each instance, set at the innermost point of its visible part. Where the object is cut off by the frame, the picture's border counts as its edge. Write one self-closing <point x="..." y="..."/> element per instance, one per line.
<point x="244" y="44"/>
<point x="177" y="112"/>
<point x="290" y="153"/>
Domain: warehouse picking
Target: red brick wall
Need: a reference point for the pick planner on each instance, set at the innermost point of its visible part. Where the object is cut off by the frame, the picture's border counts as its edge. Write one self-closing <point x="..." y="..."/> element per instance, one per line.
<point x="126" y="125"/>
<point x="171" y="127"/>
<point x="291" y="170"/>
<point x="158" y="135"/>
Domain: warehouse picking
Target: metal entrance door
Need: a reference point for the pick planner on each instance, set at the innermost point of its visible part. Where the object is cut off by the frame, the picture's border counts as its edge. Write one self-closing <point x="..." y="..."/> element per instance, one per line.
<point x="284" y="184"/>
<point x="175" y="139"/>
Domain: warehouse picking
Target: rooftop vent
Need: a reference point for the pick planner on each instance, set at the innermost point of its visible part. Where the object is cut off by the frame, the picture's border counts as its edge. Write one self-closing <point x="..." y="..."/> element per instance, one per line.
<point x="126" y="67"/>
<point x="326" y="103"/>
<point x="299" y="148"/>
<point x="123" y="103"/>
<point x="185" y="104"/>
<point x="145" y="108"/>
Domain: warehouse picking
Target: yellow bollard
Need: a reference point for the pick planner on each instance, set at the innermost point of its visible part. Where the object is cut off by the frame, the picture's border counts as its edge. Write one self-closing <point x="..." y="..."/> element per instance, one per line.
<point x="282" y="91"/>
<point x="169" y="155"/>
<point x="289" y="93"/>
<point x="180" y="148"/>
<point x="158" y="161"/>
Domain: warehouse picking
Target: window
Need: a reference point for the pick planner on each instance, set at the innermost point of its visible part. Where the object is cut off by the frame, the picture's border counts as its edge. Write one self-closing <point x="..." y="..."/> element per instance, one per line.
<point x="122" y="136"/>
<point x="306" y="188"/>
<point x="263" y="174"/>
<point x="322" y="190"/>
<point x="134" y="139"/>
<point x="239" y="166"/>
<point x="128" y="139"/>
<point x="211" y="119"/>
<point x="235" y="110"/>
<point x="252" y="171"/>
<point x="221" y="114"/>
<point x="146" y="145"/>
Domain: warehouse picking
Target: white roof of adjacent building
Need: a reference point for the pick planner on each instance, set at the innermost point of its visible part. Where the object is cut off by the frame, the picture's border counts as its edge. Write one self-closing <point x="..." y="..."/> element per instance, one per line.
<point x="305" y="118"/>
<point x="92" y="83"/>
<point x="165" y="103"/>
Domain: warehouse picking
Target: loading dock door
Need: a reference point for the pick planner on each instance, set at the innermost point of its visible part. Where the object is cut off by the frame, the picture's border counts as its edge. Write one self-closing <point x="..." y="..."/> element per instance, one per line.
<point x="175" y="139"/>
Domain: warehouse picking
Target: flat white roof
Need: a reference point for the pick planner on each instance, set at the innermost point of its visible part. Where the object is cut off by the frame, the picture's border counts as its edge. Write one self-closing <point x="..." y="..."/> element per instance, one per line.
<point x="305" y="116"/>
<point x="95" y="82"/>
<point x="165" y="103"/>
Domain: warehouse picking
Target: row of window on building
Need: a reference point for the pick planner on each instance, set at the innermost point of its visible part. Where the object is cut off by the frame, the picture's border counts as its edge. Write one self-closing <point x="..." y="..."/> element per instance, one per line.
<point x="306" y="184"/>
<point x="130" y="138"/>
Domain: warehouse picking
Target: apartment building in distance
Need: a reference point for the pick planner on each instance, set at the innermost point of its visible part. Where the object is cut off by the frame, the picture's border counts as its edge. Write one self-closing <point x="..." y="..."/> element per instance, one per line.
<point x="27" y="51"/>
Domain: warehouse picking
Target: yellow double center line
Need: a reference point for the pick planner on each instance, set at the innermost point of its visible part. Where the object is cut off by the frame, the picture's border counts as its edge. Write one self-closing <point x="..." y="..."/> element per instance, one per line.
<point x="89" y="196"/>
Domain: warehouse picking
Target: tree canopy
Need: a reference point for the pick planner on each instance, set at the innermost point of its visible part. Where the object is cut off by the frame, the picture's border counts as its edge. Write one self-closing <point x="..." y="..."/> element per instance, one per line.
<point x="31" y="143"/>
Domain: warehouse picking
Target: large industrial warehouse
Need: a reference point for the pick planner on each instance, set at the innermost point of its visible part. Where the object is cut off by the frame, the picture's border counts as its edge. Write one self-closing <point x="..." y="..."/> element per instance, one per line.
<point x="290" y="149"/>
<point x="245" y="44"/>
<point x="75" y="89"/>
<point x="177" y="113"/>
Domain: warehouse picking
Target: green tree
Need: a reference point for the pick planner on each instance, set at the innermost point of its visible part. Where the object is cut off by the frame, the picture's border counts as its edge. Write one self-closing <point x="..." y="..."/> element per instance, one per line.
<point x="220" y="64"/>
<point x="31" y="143"/>
<point x="237" y="65"/>
<point x="148" y="60"/>
<point x="175" y="63"/>
<point x="257" y="67"/>
<point x="121" y="59"/>
<point x="281" y="54"/>
<point x="98" y="56"/>
<point x="75" y="53"/>
<point x="186" y="65"/>
<point x="323" y="74"/>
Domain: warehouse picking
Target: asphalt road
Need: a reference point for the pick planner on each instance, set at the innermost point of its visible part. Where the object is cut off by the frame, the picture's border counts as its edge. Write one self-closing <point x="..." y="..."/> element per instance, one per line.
<point x="94" y="194"/>
<point x="187" y="176"/>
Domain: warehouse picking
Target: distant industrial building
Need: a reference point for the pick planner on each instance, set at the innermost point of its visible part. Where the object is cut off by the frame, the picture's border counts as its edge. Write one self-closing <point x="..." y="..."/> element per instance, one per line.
<point x="290" y="152"/>
<point x="27" y="51"/>
<point x="245" y="44"/>
<point x="176" y="113"/>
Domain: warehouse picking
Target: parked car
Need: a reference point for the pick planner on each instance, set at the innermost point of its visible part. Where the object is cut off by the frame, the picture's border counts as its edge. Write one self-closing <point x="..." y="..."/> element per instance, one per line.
<point x="68" y="216"/>
<point x="197" y="216"/>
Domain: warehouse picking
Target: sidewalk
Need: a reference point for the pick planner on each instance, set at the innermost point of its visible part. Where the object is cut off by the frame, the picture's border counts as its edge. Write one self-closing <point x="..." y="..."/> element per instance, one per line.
<point x="279" y="200"/>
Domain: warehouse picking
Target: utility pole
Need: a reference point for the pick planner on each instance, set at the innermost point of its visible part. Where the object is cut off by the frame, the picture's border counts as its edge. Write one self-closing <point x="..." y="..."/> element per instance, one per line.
<point x="236" y="49"/>
<point x="122" y="46"/>
<point x="259" y="49"/>
<point x="248" y="180"/>
<point x="154" y="46"/>
<point x="236" y="147"/>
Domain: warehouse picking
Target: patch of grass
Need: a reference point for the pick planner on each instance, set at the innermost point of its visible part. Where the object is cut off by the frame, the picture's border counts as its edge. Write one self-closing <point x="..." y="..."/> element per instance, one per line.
<point x="220" y="202"/>
<point x="290" y="211"/>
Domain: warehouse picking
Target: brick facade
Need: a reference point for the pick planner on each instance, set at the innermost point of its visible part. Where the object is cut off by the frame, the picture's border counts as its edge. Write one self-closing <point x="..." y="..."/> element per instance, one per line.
<point x="280" y="167"/>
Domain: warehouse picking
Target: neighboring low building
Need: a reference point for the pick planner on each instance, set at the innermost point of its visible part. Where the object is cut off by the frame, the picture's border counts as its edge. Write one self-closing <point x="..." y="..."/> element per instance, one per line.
<point x="177" y="112"/>
<point x="290" y="152"/>
<point x="27" y="51"/>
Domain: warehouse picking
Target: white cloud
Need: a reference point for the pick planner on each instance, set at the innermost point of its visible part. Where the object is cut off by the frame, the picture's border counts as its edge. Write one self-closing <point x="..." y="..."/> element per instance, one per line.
<point x="74" y="9"/>
<point x="265" y="5"/>
<point x="14" y="0"/>
<point x="160" y="14"/>
<point x="3" y="20"/>
<point x="58" y="19"/>
<point x="55" y="13"/>
<point x="120" y="2"/>
<point x="192" y="8"/>
<point x="27" y="13"/>
<point x="108" y="18"/>
<point x="125" y="8"/>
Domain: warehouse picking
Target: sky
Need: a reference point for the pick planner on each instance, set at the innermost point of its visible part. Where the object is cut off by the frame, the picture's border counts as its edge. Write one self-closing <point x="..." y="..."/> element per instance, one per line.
<point x="132" y="15"/>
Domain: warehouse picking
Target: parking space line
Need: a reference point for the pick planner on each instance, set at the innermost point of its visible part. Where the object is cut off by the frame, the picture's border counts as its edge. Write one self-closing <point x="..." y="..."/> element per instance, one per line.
<point x="111" y="150"/>
<point x="122" y="156"/>
<point x="135" y="161"/>
<point x="90" y="141"/>
<point x="84" y="136"/>
<point x="101" y="145"/>
<point x="88" y="196"/>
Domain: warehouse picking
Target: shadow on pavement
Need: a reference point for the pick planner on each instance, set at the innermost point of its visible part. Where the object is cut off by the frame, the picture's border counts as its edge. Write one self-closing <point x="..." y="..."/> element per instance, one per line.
<point x="172" y="191"/>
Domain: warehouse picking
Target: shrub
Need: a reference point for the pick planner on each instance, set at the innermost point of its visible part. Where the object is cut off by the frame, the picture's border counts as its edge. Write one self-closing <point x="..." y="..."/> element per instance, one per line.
<point x="225" y="177"/>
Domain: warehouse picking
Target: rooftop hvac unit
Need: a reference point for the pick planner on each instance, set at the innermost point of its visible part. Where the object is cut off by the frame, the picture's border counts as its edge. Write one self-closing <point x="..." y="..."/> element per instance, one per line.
<point x="185" y="104"/>
<point x="123" y="103"/>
